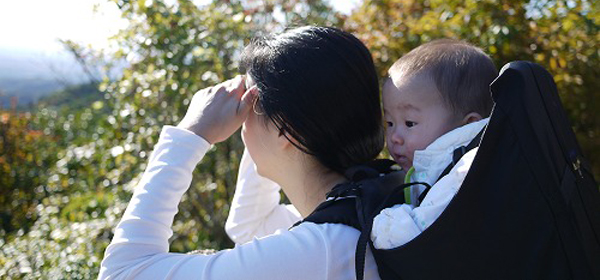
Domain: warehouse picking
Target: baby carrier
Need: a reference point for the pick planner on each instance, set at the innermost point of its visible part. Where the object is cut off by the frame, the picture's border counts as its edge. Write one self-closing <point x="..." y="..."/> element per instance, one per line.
<point x="528" y="208"/>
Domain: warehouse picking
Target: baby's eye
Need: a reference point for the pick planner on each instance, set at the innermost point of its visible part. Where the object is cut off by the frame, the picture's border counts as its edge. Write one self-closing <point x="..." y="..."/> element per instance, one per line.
<point x="389" y="124"/>
<point x="409" y="123"/>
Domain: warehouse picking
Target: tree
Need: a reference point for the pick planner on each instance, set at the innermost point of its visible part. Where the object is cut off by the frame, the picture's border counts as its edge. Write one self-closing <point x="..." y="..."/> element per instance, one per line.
<point x="87" y="160"/>
<point x="172" y="49"/>
<point x="562" y="36"/>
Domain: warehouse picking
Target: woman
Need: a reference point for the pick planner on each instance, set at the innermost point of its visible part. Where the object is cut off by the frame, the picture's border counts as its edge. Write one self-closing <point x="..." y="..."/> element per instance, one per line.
<point x="310" y="110"/>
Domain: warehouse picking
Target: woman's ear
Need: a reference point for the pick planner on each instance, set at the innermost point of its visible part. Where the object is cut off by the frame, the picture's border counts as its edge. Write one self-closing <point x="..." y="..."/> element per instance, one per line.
<point x="471" y="118"/>
<point x="284" y="141"/>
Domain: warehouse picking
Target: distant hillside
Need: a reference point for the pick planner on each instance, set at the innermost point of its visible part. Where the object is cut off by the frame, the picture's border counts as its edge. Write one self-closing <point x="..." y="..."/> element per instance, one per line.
<point x="30" y="75"/>
<point x="28" y="91"/>
<point x="74" y="97"/>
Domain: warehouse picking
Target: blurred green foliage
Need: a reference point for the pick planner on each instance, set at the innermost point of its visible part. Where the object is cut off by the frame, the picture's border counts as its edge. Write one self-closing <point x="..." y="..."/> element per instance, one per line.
<point x="66" y="173"/>
<point x="562" y="36"/>
<point x="93" y="157"/>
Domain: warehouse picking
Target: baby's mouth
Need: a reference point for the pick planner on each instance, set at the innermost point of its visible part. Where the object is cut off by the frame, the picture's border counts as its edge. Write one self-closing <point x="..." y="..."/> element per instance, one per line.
<point x="402" y="160"/>
<point x="398" y="156"/>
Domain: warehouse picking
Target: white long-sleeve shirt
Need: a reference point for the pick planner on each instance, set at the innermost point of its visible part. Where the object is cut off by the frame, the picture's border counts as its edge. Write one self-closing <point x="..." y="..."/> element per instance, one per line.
<point x="255" y="209"/>
<point x="140" y="247"/>
<point x="263" y="213"/>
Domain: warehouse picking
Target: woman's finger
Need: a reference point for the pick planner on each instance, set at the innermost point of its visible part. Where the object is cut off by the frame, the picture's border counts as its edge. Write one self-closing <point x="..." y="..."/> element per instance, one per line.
<point x="248" y="100"/>
<point x="241" y="86"/>
<point x="235" y="86"/>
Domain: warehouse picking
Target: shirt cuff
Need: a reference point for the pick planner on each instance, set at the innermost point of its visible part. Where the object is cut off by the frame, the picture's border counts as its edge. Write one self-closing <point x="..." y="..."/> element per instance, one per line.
<point x="181" y="141"/>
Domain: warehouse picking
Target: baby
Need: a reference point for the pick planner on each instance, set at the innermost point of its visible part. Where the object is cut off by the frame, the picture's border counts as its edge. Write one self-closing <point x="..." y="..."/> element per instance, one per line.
<point x="435" y="100"/>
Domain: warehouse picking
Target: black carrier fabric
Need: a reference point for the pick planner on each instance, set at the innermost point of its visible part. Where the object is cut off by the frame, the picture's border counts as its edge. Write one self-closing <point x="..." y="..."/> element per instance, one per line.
<point x="529" y="207"/>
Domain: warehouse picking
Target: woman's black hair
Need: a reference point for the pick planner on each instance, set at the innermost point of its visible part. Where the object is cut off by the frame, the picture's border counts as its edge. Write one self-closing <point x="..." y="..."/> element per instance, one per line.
<point x="318" y="85"/>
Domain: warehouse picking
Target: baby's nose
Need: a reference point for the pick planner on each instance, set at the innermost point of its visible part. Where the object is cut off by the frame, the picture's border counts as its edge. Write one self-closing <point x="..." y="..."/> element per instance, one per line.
<point x="396" y="137"/>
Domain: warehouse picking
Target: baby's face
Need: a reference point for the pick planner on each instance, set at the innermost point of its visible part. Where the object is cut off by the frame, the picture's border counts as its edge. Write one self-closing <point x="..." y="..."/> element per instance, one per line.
<point x="415" y="114"/>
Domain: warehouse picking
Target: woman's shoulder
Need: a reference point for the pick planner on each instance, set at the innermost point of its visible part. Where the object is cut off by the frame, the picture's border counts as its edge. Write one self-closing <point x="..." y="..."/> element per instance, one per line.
<point x="307" y="251"/>
<point x="328" y="230"/>
<point x="338" y="243"/>
<point x="334" y="239"/>
<point x="329" y="238"/>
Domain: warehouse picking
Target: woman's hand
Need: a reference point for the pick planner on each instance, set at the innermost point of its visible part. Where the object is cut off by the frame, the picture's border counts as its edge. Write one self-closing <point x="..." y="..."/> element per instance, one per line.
<point x="215" y="113"/>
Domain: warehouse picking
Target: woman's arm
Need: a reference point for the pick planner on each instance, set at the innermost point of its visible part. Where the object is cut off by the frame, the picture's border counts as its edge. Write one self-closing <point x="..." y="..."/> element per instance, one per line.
<point x="139" y="249"/>
<point x="255" y="209"/>
<point x="142" y="235"/>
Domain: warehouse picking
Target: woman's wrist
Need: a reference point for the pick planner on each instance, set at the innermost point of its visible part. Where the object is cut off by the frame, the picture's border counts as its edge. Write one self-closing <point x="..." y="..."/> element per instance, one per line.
<point x="198" y="130"/>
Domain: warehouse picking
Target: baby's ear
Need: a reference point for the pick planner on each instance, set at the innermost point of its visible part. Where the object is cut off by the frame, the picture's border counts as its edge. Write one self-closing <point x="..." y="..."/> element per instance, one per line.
<point x="471" y="118"/>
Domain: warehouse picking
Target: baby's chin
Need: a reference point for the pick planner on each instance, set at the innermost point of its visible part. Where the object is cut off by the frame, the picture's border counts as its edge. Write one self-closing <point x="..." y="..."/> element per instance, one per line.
<point x="404" y="162"/>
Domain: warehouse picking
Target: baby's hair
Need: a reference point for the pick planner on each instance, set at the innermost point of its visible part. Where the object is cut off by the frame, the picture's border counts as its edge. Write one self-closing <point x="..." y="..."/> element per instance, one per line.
<point x="461" y="72"/>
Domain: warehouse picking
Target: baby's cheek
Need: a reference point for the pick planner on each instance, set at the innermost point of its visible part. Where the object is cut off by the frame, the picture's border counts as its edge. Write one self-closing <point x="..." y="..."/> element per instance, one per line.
<point x="420" y="143"/>
<point x="388" y="142"/>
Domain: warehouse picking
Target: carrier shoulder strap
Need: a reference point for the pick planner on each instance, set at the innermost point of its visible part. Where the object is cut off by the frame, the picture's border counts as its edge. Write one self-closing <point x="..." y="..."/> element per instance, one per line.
<point x="340" y="211"/>
<point x="351" y="211"/>
<point x="461" y="151"/>
<point x="357" y="202"/>
<point x="340" y="206"/>
<point x="456" y="156"/>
